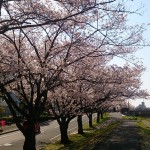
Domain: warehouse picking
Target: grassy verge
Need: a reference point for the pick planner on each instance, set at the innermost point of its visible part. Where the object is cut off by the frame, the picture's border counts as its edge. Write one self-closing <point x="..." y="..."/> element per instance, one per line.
<point x="86" y="126"/>
<point x="145" y="133"/>
<point x="131" y="117"/>
<point x="85" y="141"/>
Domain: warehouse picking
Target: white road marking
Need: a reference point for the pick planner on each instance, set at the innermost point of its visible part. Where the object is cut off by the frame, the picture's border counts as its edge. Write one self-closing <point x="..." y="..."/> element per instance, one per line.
<point x="72" y="128"/>
<point x="55" y="137"/>
<point x="56" y="127"/>
<point x="59" y="134"/>
<point x="42" y="131"/>
<point x="7" y="144"/>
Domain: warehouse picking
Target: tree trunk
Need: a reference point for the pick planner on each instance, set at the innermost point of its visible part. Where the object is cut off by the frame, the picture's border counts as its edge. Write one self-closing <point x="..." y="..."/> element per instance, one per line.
<point x="90" y="120"/>
<point x="30" y="141"/>
<point x="102" y="115"/>
<point x="80" y="125"/>
<point x="98" y="117"/>
<point x="63" y="131"/>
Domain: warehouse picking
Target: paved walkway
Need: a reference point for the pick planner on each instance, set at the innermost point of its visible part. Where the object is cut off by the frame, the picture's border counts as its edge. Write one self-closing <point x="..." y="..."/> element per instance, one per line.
<point x="125" y="137"/>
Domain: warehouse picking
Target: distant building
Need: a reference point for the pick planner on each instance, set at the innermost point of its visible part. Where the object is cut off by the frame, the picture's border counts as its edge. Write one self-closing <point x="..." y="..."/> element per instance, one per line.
<point x="5" y="106"/>
<point x="141" y="107"/>
<point x="124" y="110"/>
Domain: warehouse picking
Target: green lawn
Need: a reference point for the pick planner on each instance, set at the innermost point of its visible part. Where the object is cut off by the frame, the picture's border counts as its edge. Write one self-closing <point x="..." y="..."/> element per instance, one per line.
<point x="145" y="133"/>
<point x="131" y="117"/>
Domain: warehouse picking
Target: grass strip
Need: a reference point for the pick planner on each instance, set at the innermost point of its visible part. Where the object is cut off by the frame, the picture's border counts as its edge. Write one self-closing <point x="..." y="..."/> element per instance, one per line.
<point x="145" y="133"/>
<point x="131" y="117"/>
<point x="86" y="141"/>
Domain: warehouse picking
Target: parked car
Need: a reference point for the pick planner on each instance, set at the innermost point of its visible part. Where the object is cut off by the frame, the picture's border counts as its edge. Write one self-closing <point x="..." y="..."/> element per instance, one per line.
<point x="37" y="126"/>
<point x="9" y="123"/>
<point x="3" y="122"/>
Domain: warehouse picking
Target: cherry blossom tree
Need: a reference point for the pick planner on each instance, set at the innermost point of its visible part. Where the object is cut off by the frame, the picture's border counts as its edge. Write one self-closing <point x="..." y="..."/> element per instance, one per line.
<point x="16" y="14"/>
<point x="63" y="104"/>
<point x="68" y="100"/>
<point x="114" y="84"/>
<point x="100" y="88"/>
<point x="30" y="67"/>
<point x="41" y="43"/>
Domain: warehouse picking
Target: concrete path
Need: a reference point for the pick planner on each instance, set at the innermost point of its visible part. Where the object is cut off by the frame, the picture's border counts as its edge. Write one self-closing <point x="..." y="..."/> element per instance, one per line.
<point x="125" y="137"/>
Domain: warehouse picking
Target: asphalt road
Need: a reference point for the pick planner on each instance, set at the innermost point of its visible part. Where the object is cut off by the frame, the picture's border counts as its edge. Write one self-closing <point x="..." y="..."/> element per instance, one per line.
<point x="115" y="115"/>
<point x="49" y="132"/>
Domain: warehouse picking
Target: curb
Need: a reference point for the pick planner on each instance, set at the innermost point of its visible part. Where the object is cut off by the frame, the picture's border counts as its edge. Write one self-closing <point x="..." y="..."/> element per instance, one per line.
<point x="5" y="132"/>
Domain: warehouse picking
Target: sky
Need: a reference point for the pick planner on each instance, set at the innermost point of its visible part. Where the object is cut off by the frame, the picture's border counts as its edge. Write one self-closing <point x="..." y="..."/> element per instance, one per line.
<point x="143" y="53"/>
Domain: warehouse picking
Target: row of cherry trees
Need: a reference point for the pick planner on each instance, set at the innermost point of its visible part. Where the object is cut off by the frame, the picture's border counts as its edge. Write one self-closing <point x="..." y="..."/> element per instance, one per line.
<point x="101" y="88"/>
<point x="55" y="54"/>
